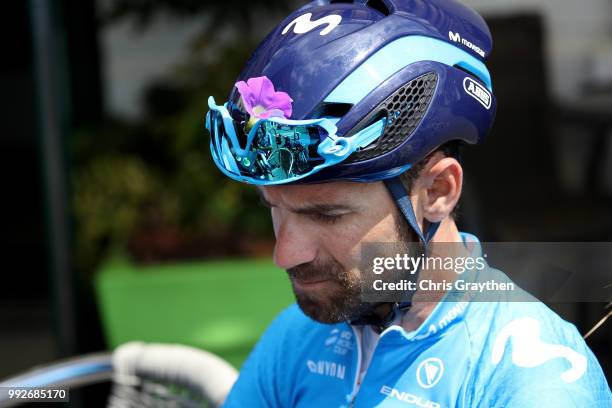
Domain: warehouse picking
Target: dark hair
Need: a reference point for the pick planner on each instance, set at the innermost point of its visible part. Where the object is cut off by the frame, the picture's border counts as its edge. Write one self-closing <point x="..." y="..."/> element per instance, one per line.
<point x="450" y="149"/>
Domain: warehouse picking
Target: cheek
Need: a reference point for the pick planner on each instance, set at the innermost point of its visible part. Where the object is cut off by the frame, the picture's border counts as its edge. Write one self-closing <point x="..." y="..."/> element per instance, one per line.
<point x="344" y="241"/>
<point x="383" y="231"/>
<point x="340" y="239"/>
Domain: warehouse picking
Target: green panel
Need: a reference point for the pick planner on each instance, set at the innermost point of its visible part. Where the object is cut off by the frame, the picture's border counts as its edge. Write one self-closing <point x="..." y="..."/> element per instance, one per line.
<point x="221" y="306"/>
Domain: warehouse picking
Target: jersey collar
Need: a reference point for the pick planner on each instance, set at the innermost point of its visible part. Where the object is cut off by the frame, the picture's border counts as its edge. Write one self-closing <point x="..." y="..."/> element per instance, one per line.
<point x="446" y="314"/>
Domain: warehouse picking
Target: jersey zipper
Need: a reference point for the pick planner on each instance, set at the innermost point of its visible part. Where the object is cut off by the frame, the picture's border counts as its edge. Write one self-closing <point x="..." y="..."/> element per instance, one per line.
<point x="358" y="369"/>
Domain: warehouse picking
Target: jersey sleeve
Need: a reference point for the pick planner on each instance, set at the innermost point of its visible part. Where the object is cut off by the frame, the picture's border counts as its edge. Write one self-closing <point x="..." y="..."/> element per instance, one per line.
<point x="546" y="389"/>
<point x="542" y="361"/>
<point x="260" y="381"/>
<point x="558" y="397"/>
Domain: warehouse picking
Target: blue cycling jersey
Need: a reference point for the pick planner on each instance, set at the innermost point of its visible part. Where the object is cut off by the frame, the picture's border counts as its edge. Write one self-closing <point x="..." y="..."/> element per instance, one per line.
<point x="465" y="354"/>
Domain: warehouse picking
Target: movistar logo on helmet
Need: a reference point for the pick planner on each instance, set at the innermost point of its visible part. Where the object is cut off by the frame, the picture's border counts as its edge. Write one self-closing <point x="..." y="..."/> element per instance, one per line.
<point x="303" y="24"/>
<point x="477" y="91"/>
<point x="456" y="37"/>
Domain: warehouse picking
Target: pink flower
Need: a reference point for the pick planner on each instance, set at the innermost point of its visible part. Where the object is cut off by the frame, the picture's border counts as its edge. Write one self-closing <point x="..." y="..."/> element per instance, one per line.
<point x="261" y="100"/>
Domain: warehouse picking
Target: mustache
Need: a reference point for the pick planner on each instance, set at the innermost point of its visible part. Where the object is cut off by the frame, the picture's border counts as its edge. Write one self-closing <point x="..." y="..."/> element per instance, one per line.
<point x="317" y="270"/>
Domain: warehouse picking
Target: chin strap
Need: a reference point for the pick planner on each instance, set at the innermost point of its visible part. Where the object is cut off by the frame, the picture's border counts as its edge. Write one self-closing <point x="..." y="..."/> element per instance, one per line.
<point x="402" y="200"/>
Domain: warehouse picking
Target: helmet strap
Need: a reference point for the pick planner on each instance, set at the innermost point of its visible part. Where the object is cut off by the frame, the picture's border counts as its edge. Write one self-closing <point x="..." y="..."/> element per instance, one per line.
<point x="402" y="200"/>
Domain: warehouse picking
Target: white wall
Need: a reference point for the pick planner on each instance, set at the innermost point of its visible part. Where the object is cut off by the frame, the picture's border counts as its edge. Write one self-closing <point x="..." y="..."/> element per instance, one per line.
<point x="132" y="58"/>
<point x="576" y="31"/>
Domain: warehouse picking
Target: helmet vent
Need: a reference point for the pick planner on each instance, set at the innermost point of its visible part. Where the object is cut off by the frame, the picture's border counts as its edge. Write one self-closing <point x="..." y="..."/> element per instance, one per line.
<point x="336" y="110"/>
<point x="404" y="110"/>
<point x="379" y="5"/>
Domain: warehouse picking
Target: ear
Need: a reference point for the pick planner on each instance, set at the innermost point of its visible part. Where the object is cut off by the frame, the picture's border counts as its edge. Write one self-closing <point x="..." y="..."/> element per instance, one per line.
<point x="440" y="187"/>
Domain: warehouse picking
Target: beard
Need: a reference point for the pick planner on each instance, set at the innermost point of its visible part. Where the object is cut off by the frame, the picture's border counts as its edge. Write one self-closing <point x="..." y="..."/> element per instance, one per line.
<point x="337" y="296"/>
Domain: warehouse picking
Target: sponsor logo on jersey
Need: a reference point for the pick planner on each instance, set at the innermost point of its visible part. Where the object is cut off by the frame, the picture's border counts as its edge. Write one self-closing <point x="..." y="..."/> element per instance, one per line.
<point x="455" y="312"/>
<point x="332" y="338"/>
<point x="303" y="24"/>
<point x="429" y="372"/>
<point x="407" y="397"/>
<point x="327" y="368"/>
<point x="477" y="91"/>
<point x="528" y="349"/>
<point x="339" y="341"/>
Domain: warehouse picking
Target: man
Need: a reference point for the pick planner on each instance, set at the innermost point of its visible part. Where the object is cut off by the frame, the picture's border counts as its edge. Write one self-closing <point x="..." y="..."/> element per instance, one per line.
<point x="347" y="118"/>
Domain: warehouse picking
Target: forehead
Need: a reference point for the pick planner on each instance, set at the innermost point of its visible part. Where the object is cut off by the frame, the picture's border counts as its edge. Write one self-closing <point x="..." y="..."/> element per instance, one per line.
<point x="326" y="193"/>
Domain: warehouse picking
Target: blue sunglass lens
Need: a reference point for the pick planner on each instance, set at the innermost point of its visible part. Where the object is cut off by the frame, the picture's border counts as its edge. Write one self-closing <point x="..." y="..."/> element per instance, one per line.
<point x="277" y="152"/>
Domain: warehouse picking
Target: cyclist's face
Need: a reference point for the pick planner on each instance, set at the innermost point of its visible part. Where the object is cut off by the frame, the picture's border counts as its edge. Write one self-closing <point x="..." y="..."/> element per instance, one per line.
<point x="319" y="229"/>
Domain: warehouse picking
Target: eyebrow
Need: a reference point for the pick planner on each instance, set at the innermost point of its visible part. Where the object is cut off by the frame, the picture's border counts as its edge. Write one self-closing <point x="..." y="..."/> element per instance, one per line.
<point x="316" y="208"/>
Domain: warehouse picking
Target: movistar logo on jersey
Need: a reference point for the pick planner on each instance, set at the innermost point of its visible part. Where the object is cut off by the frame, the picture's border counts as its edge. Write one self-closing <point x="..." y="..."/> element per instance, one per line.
<point x="455" y="312"/>
<point x="456" y="37"/>
<point x="407" y="397"/>
<point x="528" y="349"/>
<point x="303" y="24"/>
<point x="477" y="91"/>
<point x="429" y="372"/>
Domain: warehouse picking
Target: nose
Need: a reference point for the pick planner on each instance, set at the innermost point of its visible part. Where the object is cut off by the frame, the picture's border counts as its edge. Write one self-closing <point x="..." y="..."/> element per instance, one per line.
<point x="295" y="245"/>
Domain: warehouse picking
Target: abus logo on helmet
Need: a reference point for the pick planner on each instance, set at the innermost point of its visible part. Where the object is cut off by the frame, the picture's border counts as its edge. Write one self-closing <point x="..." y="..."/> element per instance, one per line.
<point x="477" y="91"/>
<point x="302" y="24"/>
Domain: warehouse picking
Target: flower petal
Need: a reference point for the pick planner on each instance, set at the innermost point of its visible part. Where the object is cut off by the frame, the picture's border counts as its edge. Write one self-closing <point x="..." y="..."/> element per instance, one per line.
<point x="280" y="100"/>
<point x="272" y="113"/>
<point x="261" y="87"/>
<point x="248" y="98"/>
<point x="260" y="91"/>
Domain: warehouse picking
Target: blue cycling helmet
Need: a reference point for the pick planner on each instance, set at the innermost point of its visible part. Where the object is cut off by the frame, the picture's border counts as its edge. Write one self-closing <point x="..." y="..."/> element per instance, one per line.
<point x="357" y="90"/>
<point x="418" y="63"/>
<point x="388" y="81"/>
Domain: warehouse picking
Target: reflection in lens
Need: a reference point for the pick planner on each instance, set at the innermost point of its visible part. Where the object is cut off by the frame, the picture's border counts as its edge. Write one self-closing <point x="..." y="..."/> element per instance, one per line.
<point x="282" y="151"/>
<point x="276" y="152"/>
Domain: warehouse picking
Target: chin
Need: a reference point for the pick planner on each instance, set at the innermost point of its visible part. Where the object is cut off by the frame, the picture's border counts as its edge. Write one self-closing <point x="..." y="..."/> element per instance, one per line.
<point x="328" y="309"/>
<point x="318" y="313"/>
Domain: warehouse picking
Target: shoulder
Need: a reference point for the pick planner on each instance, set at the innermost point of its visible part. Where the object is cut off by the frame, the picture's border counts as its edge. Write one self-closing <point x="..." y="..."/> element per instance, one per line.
<point x="523" y="351"/>
<point x="513" y="311"/>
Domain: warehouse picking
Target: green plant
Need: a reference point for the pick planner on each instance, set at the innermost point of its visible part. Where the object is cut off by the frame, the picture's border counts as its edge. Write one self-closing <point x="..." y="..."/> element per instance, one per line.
<point x="151" y="187"/>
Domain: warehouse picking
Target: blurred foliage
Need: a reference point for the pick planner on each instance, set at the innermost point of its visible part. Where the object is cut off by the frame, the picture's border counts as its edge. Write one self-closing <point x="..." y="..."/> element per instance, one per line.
<point x="151" y="187"/>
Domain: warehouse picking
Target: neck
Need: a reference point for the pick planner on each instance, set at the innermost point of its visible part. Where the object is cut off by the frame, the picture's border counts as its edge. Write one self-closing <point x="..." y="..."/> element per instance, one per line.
<point x="423" y="303"/>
